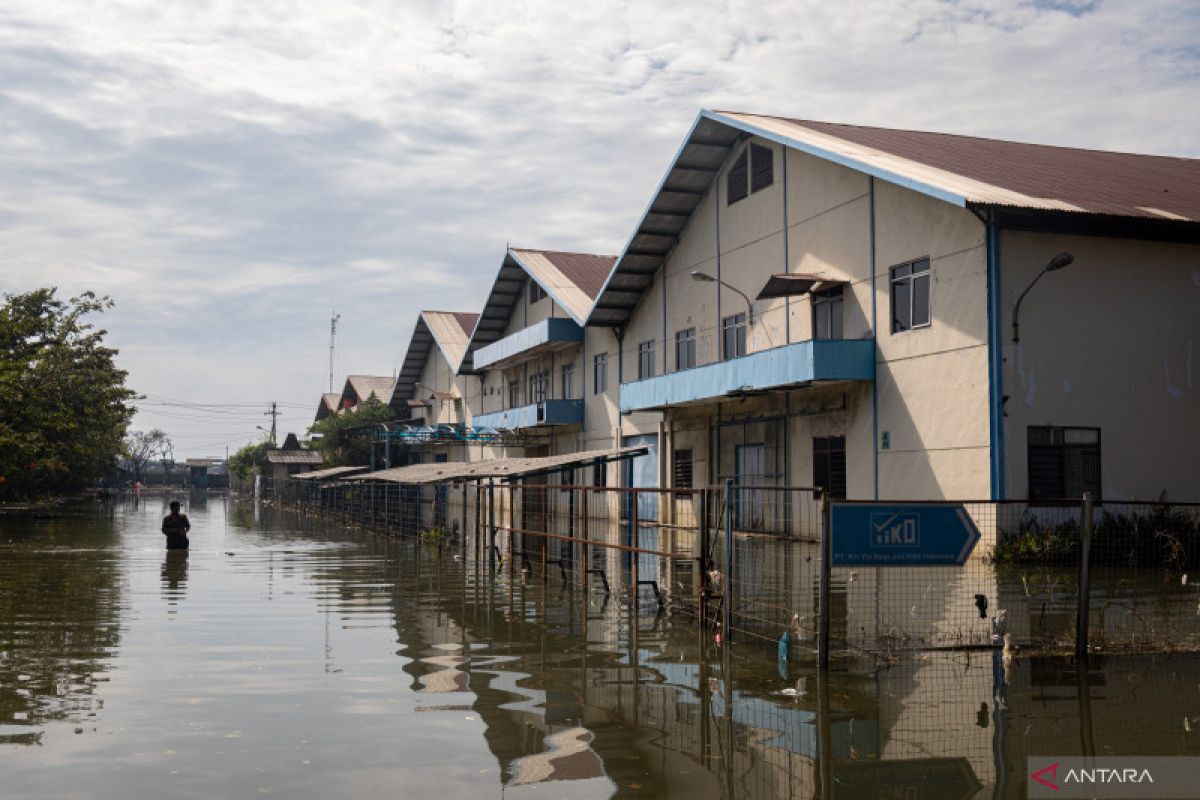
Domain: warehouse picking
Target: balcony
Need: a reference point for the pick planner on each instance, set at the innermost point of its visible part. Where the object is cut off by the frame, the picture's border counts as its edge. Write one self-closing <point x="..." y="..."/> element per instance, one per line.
<point x="546" y="413"/>
<point x="794" y="365"/>
<point x="556" y="333"/>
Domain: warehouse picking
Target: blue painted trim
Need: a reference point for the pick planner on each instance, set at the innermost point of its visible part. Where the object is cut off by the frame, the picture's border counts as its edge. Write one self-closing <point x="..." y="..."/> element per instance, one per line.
<point x="799" y="363"/>
<point x="995" y="362"/>
<point x="874" y="341"/>
<point x="550" y="412"/>
<point x="828" y="155"/>
<point x="553" y="330"/>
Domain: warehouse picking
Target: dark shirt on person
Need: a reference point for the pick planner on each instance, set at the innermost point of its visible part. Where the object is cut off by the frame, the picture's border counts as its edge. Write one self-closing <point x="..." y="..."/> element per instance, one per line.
<point x="175" y="527"/>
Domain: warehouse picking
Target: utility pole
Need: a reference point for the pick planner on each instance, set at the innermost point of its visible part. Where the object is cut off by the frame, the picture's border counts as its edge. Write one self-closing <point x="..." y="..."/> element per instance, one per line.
<point x="272" y="414"/>
<point x="333" y="321"/>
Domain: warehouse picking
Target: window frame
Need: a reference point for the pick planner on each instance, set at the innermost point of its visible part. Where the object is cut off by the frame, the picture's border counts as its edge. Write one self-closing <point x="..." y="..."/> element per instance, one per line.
<point x="514" y="394"/>
<point x="685" y="338"/>
<point x="829" y="299"/>
<point x="907" y="274"/>
<point x="568" y="381"/>
<point x="1058" y="435"/>
<point x="736" y="323"/>
<point x="600" y="373"/>
<point x="645" y="362"/>
<point x="539" y="387"/>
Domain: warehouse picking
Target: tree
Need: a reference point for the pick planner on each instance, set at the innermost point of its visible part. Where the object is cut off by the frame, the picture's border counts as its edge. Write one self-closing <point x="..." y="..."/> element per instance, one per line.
<point x="250" y="459"/>
<point x="346" y="438"/>
<point x="141" y="447"/>
<point x="64" y="406"/>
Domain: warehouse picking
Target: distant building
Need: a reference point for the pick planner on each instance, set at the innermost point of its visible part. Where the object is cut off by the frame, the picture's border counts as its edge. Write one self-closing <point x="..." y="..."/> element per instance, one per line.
<point x="328" y="405"/>
<point x="291" y="458"/>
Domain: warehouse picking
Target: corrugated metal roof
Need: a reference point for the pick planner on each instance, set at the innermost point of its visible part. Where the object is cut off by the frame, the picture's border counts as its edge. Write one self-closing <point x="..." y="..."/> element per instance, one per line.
<point x="360" y="387"/>
<point x="332" y="472"/>
<point x="573" y="280"/>
<point x="449" y="330"/>
<point x="963" y="170"/>
<point x="495" y="468"/>
<point x="997" y="172"/>
<point x="293" y="457"/>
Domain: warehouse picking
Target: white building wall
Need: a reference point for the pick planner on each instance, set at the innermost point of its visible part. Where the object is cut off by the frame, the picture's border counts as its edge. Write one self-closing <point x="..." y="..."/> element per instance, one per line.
<point x="1112" y="341"/>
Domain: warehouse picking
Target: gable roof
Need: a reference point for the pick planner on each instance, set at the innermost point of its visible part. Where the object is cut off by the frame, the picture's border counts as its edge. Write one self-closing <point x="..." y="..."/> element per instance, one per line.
<point x="449" y="330"/>
<point x="965" y="171"/>
<point x="327" y="405"/>
<point x="573" y="281"/>
<point x="360" y="387"/>
<point x="969" y="170"/>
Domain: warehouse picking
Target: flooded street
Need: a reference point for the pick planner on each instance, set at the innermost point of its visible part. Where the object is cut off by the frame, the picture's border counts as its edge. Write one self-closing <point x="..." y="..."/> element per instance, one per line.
<point x="291" y="657"/>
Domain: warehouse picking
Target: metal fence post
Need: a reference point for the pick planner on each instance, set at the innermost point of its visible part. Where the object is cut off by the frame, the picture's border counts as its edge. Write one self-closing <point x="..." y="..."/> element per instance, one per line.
<point x="1085" y="586"/>
<point x="727" y="589"/>
<point x="823" y="600"/>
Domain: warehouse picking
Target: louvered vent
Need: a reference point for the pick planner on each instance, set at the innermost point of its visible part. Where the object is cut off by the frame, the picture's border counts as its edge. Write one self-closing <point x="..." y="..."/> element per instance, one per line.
<point x="762" y="161"/>
<point x="738" y="179"/>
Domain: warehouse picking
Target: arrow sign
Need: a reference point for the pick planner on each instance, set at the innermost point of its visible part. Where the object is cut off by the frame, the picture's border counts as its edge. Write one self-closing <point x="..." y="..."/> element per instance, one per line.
<point x="881" y="535"/>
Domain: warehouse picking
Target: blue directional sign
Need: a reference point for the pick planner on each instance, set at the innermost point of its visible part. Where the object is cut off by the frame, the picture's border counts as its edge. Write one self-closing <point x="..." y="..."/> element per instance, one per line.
<point x="880" y="535"/>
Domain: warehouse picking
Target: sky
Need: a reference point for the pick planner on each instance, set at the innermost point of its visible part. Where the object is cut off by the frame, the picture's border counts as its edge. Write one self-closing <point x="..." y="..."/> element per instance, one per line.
<point x="230" y="173"/>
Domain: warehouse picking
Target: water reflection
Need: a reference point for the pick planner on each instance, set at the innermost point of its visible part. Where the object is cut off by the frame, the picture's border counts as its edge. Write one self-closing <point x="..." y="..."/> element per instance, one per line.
<point x="314" y="661"/>
<point x="174" y="575"/>
<point x="61" y="615"/>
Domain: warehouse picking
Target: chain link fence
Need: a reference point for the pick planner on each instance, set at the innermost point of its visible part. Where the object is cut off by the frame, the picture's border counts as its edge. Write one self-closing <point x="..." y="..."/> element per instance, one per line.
<point x="747" y="563"/>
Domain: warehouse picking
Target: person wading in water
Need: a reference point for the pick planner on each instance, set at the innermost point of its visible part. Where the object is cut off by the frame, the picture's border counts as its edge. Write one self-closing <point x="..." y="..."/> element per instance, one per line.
<point x="175" y="527"/>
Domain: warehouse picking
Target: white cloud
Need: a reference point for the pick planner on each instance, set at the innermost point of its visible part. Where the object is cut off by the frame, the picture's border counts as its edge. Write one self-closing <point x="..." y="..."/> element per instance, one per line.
<point x="232" y="171"/>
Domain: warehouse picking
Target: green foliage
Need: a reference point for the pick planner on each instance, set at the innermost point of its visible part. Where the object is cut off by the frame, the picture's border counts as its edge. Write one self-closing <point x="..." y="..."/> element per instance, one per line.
<point x="64" y="406"/>
<point x="1162" y="538"/>
<point x="250" y="459"/>
<point x="346" y="437"/>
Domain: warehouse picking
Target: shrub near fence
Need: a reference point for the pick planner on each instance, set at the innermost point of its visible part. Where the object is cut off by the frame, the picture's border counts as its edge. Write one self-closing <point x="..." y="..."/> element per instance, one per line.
<point x="1124" y="535"/>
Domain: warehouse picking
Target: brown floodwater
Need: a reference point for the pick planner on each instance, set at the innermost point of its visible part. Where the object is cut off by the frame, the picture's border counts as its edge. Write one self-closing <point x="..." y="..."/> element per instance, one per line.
<point x="291" y="657"/>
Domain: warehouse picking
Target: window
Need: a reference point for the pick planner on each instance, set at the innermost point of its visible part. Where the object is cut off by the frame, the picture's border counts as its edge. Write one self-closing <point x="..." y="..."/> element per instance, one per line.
<point x="827" y="313"/>
<point x="733" y="336"/>
<point x="539" y="386"/>
<point x="568" y="381"/>
<point x="737" y="183"/>
<point x="514" y="394"/>
<point x="600" y="474"/>
<point x="752" y="171"/>
<point x="682" y="461"/>
<point x="600" y="374"/>
<point x="762" y="167"/>
<point x="910" y="295"/>
<point x="646" y="360"/>
<point x="1063" y="462"/>
<point x="536" y="292"/>
<point x="829" y="465"/>
<point x="685" y="348"/>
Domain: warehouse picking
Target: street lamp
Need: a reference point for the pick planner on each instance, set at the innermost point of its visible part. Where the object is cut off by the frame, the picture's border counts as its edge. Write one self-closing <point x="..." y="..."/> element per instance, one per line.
<point x="1058" y="262"/>
<point x="267" y="432"/>
<point x="704" y="277"/>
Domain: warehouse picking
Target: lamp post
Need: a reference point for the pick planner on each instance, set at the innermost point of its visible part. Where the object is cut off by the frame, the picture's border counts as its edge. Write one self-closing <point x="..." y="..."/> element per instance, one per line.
<point x="268" y="433"/>
<point x="1058" y="262"/>
<point x="704" y="277"/>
